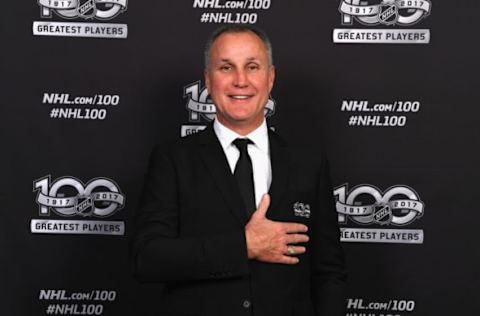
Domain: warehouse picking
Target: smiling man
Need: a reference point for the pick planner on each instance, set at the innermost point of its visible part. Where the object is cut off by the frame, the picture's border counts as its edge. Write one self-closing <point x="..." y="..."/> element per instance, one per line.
<point x="233" y="221"/>
<point x="239" y="76"/>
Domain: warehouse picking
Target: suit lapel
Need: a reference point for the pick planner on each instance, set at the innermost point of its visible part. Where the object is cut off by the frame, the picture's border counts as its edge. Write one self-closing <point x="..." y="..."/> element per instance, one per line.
<point x="280" y="160"/>
<point x="214" y="158"/>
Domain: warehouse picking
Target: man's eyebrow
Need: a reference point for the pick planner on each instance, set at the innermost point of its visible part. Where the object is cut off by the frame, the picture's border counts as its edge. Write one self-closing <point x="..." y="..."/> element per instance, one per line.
<point x="226" y="60"/>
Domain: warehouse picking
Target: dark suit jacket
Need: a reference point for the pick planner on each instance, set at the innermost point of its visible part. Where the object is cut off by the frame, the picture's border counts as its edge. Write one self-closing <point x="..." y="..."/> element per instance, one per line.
<point x="190" y="234"/>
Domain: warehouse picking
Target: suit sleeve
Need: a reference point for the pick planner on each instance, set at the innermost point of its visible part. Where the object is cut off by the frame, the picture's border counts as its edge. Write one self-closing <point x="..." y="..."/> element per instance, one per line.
<point x="328" y="263"/>
<point x="161" y="254"/>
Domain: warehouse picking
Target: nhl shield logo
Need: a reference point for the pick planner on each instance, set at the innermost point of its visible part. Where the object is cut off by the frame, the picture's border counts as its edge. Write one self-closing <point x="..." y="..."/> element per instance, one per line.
<point x="84" y="205"/>
<point x="382" y="214"/>
<point x="86" y="9"/>
<point x="388" y="13"/>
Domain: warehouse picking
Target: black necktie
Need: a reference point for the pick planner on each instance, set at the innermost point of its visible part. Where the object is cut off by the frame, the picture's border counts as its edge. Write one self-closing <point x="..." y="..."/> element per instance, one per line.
<point x="244" y="175"/>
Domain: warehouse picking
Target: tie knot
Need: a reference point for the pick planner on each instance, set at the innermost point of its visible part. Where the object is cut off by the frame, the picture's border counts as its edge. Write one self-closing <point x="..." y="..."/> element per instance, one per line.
<point x="242" y="144"/>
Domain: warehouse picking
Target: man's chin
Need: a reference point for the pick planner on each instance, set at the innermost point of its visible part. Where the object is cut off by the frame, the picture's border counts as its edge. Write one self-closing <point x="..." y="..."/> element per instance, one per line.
<point x="243" y="121"/>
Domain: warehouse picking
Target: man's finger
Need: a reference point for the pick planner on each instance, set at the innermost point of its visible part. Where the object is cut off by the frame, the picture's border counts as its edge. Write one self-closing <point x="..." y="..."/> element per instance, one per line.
<point x="295" y="250"/>
<point x="263" y="206"/>
<point x="292" y="228"/>
<point x="296" y="238"/>
<point x="289" y="260"/>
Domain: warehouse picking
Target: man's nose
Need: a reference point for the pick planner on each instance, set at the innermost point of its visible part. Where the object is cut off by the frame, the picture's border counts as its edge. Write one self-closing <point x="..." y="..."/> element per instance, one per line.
<point x="240" y="80"/>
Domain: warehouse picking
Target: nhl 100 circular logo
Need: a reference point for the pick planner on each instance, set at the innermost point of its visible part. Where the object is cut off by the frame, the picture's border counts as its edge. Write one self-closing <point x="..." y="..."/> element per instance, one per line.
<point x="68" y="196"/>
<point x="85" y="9"/>
<point x="386" y="12"/>
<point x="365" y="204"/>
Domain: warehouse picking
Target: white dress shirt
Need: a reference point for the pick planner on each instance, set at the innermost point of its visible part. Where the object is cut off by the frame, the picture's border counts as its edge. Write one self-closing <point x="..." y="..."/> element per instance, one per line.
<point x="259" y="153"/>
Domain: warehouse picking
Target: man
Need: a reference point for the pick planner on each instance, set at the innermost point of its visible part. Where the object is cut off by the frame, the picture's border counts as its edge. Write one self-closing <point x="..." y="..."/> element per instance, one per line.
<point x="233" y="220"/>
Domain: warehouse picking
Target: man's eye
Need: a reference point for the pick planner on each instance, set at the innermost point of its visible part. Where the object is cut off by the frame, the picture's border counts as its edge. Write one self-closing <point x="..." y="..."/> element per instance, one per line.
<point x="253" y="67"/>
<point x="225" y="68"/>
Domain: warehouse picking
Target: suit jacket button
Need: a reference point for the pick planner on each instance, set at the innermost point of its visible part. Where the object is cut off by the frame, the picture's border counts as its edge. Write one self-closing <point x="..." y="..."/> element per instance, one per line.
<point x="246" y="304"/>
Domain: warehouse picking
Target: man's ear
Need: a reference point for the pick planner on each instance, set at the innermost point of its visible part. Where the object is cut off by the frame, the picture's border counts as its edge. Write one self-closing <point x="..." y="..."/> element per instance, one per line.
<point x="271" y="77"/>
<point x="206" y="77"/>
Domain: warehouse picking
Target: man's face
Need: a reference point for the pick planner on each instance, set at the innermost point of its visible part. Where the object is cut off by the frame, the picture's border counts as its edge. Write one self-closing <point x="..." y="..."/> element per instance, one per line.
<point x="239" y="80"/>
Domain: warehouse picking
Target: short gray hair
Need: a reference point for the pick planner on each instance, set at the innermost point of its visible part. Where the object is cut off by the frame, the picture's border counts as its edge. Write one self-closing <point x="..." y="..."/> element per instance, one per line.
<point x="237" y="28"/>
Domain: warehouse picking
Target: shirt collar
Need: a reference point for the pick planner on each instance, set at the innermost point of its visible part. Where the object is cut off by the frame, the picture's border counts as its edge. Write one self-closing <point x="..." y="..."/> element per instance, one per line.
<point x="226" y="136"/>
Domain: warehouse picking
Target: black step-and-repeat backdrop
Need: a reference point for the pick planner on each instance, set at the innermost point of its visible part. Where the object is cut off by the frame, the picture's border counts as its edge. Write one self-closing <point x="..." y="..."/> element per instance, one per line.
<point x="388" y="88"/>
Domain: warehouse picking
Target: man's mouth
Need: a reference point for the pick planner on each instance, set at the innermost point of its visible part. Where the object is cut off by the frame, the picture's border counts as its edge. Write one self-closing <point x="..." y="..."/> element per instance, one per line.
<point x="240" y="97"/>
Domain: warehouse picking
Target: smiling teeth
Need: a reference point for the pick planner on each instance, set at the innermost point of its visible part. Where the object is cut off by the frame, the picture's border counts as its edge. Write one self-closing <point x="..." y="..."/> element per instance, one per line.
<point x="242" y="97"/>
